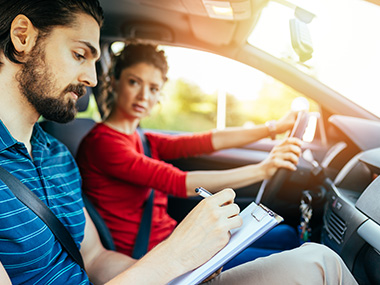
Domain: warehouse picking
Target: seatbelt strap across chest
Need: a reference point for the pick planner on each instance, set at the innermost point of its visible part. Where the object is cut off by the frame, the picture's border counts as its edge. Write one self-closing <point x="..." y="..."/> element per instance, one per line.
<point x="143" y="235"/>
<point x="29" y="199"/>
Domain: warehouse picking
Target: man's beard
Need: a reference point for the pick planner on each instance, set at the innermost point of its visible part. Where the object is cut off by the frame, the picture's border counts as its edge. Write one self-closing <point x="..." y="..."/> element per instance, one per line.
<point x="39" y="86"/>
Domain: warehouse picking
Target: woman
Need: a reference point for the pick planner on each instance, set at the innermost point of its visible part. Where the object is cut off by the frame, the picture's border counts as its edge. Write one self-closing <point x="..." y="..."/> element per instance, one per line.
<point x="117" y="176"/>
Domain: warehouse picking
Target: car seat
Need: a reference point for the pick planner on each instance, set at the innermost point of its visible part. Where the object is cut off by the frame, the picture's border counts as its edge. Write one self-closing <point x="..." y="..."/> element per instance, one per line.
<point x="71" y="135"/>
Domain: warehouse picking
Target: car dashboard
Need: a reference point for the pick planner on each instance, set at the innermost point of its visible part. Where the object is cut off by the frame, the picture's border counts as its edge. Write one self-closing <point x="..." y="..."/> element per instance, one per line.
<point x="351" y="220"/>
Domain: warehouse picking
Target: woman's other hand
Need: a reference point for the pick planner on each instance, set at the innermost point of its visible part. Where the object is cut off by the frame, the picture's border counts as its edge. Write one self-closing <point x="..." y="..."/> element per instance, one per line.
<point x="286" y="123"/>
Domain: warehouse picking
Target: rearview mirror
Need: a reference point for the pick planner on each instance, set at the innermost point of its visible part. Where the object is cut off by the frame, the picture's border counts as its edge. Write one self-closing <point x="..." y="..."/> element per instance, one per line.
<point x="301" y="39"/>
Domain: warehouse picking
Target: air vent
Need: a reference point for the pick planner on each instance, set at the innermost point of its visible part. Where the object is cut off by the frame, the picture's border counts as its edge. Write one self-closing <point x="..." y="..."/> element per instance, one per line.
<point x="336" y="227"/>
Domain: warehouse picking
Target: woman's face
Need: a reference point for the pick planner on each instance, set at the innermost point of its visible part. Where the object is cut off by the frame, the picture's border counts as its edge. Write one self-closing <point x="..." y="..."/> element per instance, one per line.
<point x="138" y="90"/>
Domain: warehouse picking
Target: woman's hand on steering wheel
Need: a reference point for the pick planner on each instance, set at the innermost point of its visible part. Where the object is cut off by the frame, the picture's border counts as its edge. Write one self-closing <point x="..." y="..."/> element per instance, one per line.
<point x="275" y="183"/>
<point x="284" y="155"/>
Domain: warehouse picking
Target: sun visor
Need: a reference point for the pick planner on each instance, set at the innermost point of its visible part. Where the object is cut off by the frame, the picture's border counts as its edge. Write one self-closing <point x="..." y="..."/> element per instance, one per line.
<point x="215" y="32"/>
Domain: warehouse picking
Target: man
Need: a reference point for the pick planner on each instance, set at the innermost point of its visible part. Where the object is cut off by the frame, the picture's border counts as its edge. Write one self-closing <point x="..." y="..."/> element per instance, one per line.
<point x="48" y="54"/>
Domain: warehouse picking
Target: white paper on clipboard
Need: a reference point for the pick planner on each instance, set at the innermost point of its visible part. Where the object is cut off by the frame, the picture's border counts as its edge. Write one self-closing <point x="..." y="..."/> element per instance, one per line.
<point x="257" y="220"/>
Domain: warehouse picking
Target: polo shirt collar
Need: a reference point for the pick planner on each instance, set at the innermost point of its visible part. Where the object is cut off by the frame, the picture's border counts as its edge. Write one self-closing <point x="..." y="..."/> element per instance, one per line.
<point x="40" y="135"/>
<point x="6" y="139"/>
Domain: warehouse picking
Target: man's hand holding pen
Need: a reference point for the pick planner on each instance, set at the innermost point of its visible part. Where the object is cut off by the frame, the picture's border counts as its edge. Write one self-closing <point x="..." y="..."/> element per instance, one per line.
<point x="206" y="229"/>
<point x="205" y="194"/>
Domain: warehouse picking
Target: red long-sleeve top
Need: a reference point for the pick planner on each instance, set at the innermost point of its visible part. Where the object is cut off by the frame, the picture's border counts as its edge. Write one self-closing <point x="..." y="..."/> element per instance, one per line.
<point x="117" y="177"/>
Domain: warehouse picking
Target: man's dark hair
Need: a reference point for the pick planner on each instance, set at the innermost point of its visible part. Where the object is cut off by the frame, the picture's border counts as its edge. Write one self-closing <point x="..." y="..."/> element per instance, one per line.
<point x="44" y="15"/>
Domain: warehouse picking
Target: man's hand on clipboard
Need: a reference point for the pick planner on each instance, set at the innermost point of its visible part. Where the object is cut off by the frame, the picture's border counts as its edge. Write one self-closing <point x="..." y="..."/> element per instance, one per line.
<point x="205" y="230"/>
<point x="257" y="221"/>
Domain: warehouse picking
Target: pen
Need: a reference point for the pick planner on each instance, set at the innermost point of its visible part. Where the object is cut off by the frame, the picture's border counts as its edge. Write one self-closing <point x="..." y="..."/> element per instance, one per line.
<point x="202" y="192"/>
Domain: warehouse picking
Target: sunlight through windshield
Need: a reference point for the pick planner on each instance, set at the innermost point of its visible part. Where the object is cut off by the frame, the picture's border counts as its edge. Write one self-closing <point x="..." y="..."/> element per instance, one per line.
<point x="346" y="45"/>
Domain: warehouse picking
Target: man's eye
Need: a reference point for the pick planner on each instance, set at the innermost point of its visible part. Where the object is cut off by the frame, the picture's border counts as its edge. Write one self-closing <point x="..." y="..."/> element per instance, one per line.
<point x="78" y="56"/>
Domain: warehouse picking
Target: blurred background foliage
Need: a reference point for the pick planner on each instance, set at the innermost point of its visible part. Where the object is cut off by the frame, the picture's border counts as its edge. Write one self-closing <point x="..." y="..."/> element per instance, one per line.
<point x="185" y="107"/>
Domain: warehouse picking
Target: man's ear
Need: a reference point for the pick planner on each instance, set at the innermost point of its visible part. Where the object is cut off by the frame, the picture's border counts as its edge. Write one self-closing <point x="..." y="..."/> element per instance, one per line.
<point x="23" y="34"/>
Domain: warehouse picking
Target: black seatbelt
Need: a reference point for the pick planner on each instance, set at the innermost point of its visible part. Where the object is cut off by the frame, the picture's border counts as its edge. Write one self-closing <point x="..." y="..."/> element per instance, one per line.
<point x="142" y="238"/>
<point x="29" y="199"/>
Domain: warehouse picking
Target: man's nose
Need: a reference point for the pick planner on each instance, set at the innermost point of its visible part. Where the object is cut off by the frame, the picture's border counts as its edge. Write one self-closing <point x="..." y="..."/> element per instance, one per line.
<point x="88" y="76"/>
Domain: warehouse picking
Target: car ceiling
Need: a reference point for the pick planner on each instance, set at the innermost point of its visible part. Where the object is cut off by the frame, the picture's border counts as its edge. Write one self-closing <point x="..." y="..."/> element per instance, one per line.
<point x="179" y="21"/>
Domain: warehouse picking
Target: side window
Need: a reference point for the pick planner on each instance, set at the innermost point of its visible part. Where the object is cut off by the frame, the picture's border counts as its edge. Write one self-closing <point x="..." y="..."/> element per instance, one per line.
<point x="206" y="91"/>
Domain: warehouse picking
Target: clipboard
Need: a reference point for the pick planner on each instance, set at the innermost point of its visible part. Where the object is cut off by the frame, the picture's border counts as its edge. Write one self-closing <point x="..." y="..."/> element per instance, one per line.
<point x="257" y="220"/>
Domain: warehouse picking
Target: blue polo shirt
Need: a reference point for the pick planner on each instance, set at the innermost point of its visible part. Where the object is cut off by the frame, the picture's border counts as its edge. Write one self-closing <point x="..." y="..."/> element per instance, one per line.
<point x="29" y="251"/>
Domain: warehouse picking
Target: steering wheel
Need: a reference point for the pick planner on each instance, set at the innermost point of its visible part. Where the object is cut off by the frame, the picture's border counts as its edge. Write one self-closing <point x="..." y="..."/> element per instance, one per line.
<point x="275" y="183"/>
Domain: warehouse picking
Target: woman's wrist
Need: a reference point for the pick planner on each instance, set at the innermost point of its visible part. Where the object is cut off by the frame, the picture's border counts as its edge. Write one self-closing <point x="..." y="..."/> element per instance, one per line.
<point x="272" y="128"/>
<point x="258" y="172"/>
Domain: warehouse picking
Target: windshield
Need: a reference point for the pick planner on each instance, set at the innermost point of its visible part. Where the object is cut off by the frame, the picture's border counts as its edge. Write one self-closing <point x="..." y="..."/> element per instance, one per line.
<point x="345" y="44"/>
